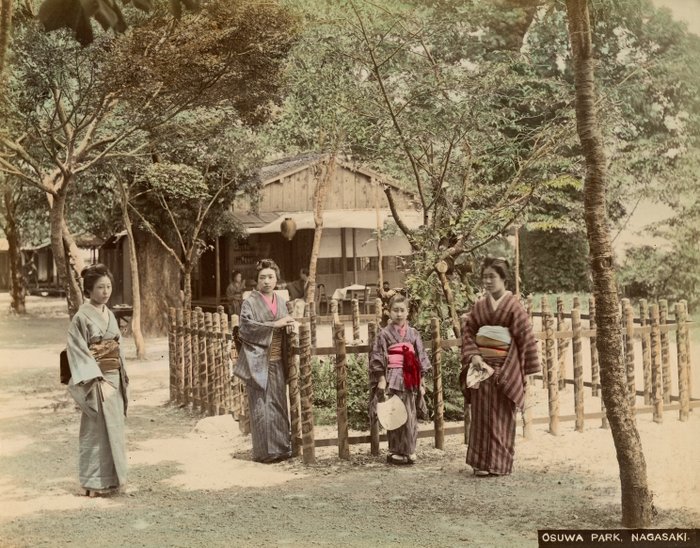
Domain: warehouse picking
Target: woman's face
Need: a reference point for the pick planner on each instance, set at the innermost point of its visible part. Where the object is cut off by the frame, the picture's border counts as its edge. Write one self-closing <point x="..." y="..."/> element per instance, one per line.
<point x="398" y="313"/>
<point x="238" y="277"/>
<point x="267" y="280"/>
<point x="101" y="291"/>
<point x="493" y="283"/>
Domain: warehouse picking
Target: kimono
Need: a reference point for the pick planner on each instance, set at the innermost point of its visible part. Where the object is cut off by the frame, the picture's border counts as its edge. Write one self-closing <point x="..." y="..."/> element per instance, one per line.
<point x="234" y="295"/>
<point x="99" y="386"/>
<point x="402" y="441"/>
<point x="495" y="400"/>
<point x="262" y="365"/>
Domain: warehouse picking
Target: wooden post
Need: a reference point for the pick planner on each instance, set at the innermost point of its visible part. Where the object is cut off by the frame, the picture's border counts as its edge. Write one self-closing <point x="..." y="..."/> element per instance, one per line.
<point x="187" y="320"/>
<point x="561" y="344"/>
<point x="552" y="370"/>
<point x="688" y="354"/>
<point x="294" y="396"/>
<point x="355" y="320"/>
<point x="438" y="401"/>
<point x="334" y="310"/>
<point x="656" y="378"/>
<point x="225" y="404"/>
<point x="373" y="424"/>
<point x="216" y="365"/>
<point x="209" y="384"/>
<point x="378" y="312"/>
<point x="544" y="305"/>
<point x="682" y="358"/>
<point x="312" y="321"/>
<point x="527" y="411"/>
<point x="665" y="354"/>
<point x="307" y="398"/>
<point x="578" y="367"/>
<point x="341" y="390"/>
<point x="196" y="392"/>
<point x="628" y="314"/>
<point x="172" y="352"/>
<point x="576" y="302"/>
<point x="646" y="356"/>
<point x="202" y="381"/>
<point x="180" y="375"/>
<point x="595" y="367"/>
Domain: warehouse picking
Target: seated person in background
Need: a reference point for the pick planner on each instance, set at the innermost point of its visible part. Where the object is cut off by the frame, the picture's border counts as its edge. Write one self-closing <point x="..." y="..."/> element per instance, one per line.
<point x="234" y="293"/>
<point x="385" y="293"/>
<point x="298" y="288"/>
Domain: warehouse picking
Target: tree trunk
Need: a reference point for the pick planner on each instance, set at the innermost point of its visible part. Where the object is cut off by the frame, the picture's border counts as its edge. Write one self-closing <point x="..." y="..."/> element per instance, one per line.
<point x="61" y="256"/>
<point x="5" y="30"/>
<point x="18" y="287"/>
<point x="134" y="269"/>
<point x="187" y="287"/>
<point x="320" y="192"/>
<point x="159" y="277"/>
<point x="637" y="504"/>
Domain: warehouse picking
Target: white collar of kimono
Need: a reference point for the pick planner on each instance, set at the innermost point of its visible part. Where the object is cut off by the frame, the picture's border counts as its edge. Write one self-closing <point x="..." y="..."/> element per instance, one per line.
<point x="495" y="303"/>
<point x="95" y="315"/>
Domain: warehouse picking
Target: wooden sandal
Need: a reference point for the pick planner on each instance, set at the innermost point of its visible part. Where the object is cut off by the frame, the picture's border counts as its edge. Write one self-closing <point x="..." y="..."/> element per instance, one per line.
<point x="399" y="460"/>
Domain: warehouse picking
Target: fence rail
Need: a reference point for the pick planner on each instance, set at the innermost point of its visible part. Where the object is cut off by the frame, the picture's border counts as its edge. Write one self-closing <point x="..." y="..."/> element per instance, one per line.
<point x="202" y="356"/>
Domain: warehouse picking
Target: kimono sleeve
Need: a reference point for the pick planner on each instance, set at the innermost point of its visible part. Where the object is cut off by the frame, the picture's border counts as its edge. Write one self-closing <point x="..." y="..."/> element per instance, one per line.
<point x="251" y="330"/>
<point x="83" y="366"/>
<point x="377" y="359"/>
<point x="469" y="328"/>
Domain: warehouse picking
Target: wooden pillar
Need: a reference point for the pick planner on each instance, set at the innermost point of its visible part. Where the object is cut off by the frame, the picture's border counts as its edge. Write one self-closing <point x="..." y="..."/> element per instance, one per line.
<point x="373" y="424"/>
<point x="595" y="367"/>
<point x="665" y="354"/>
<point x="211" y="365"/>
<point x="334" y="310"/>
<point x="187" y="319"/>
<point x="682" y="359"/>
<point x="294" y="395"/>
<point x="217" y="365"/>
<point x="646" y="356"/>
<point x="628" y="315"/>
<point x="172" y="352"/>
<point x="438" y="401"/>
<point x="355" y="320"/>
<point x="688" y="354"/>
<point x="341" y="390"/>
<point x="307" y="398"/>
<point x="343" y="258"/>
<point x="562" y="344"/>
<point x="202" y="381"/>
<point x="354" y="256"/>
<point x="552" y="370"/>
<point x="180" y="376"/>
<point x="311" y="307"/>
<point x="225" y="403"/>
<point x="656" y="376"/>
<point x="217" y="274"/>
<point x="196" y="392"/>
<point x="578" y="367"/>
<point x="544" y="305"/>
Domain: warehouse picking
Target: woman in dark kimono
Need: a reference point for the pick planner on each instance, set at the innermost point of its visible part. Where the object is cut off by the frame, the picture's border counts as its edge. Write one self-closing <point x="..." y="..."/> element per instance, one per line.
<point x="99" y="385"/>
<point x="499" y="351"/>
<point x="399" y="362"/>
<point x="264" y="323"/>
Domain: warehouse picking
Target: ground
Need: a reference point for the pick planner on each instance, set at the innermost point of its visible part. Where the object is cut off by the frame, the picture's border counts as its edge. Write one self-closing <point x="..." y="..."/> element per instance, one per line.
<point x="192" y="482"/>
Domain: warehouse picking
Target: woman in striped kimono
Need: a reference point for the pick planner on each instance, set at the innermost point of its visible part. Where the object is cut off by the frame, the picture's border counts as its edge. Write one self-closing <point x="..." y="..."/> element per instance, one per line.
<point x="99" y="386"/>
<point x="262" y="365"/>
<point x="498" y="353"/>
<point x="399" y="362"/>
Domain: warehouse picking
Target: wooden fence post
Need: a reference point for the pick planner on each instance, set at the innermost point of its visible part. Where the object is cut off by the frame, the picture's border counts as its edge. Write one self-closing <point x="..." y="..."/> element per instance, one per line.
<point x="172" y="352"/>
<point x="646" y="355"/>
<point x="307" y="397"/>
<point x="552" y="372"/>
<point x="341" y="389"/>
<point x="578" y="367"/>
<point x="438" y="401"/>
<point x="355" y="321"/>
<point x="682" y="359"/>
<point x="544" y="305"/>
<point x="217" y="364"/>
<point x="656" y="378"/>
<point x="562" y="344"/>
<point x="180" y="375"/>
<point x="196" y="392"/>
<point x="294" y="396"/>
<point x="688" y="354"/>
<point x="373" y="424"/>
<point x="202" y="381"/>
<point x="595" y="367"/>
<point x="225" y="404"/>
<point x="665" y="354"/>
<point x="527" y="410"/>
<point x="187" y="330"/>
<point x="209" y="384"/>
<point x="628" y="315"/>
<point x="334" y="310"/>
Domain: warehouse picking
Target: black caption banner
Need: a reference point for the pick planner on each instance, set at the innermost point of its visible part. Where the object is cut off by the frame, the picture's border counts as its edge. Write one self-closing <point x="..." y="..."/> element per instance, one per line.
<point x="608" y="538"/>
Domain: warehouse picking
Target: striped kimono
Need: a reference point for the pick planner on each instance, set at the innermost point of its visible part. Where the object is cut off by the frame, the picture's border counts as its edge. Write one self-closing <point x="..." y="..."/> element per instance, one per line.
<point x="102" y="459"/>
<point x="493" y="403"/>
<point x="262" y="364"/>
<point x="402" y="441"/>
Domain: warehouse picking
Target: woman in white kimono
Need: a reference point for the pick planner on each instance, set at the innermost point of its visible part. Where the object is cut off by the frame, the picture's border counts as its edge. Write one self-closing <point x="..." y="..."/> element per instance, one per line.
<point x="262" y="364"/>
<point x="99" y="386"/>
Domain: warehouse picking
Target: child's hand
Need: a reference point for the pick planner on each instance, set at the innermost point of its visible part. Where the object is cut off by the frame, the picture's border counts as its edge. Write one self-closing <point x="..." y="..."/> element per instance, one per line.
<point x="381" y="385"/>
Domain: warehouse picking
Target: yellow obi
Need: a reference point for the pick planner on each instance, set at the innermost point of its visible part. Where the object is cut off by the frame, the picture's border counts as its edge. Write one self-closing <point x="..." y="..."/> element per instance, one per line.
<point x="107" y="355"/>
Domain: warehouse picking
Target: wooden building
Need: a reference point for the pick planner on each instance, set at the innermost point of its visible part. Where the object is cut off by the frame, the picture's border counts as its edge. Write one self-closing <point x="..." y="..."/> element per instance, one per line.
<point x="355" y="206"/>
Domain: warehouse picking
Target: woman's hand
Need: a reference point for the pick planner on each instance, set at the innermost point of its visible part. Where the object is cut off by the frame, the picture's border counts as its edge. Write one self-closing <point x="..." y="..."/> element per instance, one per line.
<point x="284" y="322"/>
<point x="381" y="385"/>
<point x="477" y="361"/>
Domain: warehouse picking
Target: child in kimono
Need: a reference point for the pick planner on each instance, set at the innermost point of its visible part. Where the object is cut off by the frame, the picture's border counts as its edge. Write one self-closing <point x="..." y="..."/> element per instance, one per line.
<point x="499" y="351"/>
<point x="262" y="365"/>
<point x="98" y="384"/>
<point x="398" y="363"/>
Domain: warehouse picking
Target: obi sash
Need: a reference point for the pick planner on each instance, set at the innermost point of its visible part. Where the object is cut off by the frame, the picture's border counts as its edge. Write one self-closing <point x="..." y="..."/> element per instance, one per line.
<point x="409" y="363"/>
<point x="493" y="341"/>
<point x="106" y="353"/>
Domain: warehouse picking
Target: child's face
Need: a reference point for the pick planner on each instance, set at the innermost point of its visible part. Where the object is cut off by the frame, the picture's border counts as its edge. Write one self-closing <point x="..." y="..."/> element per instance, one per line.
<point x="398" y="313"/>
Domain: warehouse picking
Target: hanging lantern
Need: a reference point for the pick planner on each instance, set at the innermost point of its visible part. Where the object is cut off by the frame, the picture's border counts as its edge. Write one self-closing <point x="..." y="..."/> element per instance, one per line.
<point x="288" y="228"/>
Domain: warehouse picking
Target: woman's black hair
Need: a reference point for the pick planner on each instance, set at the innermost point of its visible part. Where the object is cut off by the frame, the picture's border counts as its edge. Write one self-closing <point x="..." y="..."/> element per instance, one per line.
<point x="267" y="263"/>
<point x="90" y="275"/>
<point x="499" y="264"/>
<point x="399" y="297"/>
<point x="234" y="273"/>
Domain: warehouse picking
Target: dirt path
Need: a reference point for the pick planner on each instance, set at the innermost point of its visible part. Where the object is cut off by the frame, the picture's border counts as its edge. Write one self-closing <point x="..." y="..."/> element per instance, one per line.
<point x="192" y="483"/>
